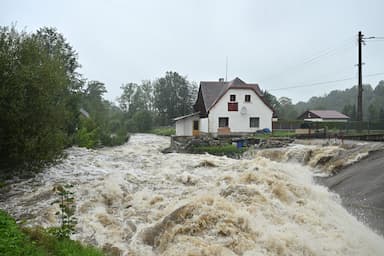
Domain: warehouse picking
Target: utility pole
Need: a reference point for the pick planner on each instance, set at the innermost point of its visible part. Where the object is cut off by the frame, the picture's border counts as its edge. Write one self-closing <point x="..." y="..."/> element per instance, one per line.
<point x="361" y="41"/>
<point x="360" y="84"/>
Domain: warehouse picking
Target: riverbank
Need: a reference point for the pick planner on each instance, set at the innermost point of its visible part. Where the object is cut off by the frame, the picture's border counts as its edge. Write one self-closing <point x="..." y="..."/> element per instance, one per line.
<point x="361" y="188"/>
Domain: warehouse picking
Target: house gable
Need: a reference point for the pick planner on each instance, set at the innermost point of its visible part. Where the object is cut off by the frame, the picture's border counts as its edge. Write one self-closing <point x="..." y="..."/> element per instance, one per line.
<point x="239" y="120"/>
<point x="211" y="92"/>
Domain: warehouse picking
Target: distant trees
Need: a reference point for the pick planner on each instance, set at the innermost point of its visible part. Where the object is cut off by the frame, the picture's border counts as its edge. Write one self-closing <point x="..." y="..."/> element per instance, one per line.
<point x="345" y="102"/>
<point x="157" y="102"/>
<point x="350" y="110"/>
<point x="174" y="96"/>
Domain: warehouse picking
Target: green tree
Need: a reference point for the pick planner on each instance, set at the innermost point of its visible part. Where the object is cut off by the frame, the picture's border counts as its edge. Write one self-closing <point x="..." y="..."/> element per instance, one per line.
<point x="35" y="95"/>
<point x="350" y="110"/>
<point x="381" y="114"/>
<point x="273" y="102"/>
<point x="372" y="112"/>
<point x="288" y="111"/>
<point x="173" y="96"/>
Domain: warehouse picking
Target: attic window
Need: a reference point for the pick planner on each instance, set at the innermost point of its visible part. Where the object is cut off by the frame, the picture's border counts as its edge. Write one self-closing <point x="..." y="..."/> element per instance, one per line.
<point x="232" y="97"/>
<point x="247" y="98"/>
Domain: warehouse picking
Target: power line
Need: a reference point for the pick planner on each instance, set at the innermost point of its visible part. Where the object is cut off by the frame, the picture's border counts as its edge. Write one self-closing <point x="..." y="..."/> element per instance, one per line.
<point x="325" y="82"/>
<point x="319" y="55"/>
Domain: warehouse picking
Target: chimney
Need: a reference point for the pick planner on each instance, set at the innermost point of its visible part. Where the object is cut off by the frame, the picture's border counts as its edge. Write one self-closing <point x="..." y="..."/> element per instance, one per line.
<point x="221" y="79"/>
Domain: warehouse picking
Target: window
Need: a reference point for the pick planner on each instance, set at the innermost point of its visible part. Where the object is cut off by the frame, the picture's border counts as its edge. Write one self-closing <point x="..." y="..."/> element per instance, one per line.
<point x="254" y="122"/>
<point x="232" y="97"/>
<point x="247" y="98"/>
<point x="223" y="121"/>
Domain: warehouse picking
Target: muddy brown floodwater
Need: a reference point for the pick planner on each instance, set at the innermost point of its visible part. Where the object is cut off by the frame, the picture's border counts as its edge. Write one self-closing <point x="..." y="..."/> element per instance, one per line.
<point x="138" y="201"/>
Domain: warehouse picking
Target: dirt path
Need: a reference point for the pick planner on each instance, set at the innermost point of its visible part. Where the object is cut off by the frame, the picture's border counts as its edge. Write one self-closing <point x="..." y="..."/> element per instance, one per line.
<point x="361" y="187"/>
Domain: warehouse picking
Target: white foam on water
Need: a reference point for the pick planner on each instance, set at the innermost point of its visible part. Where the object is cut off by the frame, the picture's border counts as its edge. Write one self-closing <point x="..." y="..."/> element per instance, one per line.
<point x="136" y="200"/>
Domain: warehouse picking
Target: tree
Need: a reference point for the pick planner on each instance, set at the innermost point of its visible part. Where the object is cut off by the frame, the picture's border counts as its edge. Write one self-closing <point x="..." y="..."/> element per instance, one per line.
<point x="288" y="111"/>
<point x="173" y="96"/>
<point x="35" y="95"/>
<point x="381" y="114"/>
<point x="372" y="112"/>
<point x="273" y="102"/>
<point x="350" y="110"/>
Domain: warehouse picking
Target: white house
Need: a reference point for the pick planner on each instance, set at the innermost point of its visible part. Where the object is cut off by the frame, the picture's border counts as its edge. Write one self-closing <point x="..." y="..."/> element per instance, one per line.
<point x="226" y="108"/>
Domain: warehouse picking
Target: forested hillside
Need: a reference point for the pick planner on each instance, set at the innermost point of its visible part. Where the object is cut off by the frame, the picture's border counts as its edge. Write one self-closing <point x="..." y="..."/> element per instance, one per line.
<point x="340" y="100"/>
<point x="345" y="102"/>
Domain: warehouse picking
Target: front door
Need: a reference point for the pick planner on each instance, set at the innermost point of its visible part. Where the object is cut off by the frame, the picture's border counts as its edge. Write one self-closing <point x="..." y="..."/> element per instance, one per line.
<point x="195" y="128"/>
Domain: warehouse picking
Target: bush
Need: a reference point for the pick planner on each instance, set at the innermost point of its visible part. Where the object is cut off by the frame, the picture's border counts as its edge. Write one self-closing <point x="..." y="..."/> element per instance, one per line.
<point x="164" y="131"/>
<point x="12" y="240"/>
<point x="37" y="241"/>
<point x="50" y="245"/>
<point x="227" y="150"/>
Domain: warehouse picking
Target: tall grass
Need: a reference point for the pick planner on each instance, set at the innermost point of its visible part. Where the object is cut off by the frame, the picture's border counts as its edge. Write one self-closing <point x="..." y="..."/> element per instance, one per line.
<point x="37" y="242"/>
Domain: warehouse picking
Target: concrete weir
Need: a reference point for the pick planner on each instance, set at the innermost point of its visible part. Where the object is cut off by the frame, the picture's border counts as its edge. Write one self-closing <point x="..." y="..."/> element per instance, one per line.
<point x="185" y="144"/>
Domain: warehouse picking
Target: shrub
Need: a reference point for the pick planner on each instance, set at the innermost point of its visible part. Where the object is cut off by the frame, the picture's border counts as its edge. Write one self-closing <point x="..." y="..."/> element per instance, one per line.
<point x="164" y="131"/>
<point x="227" y="150"/>
<point x="12" y="240"/>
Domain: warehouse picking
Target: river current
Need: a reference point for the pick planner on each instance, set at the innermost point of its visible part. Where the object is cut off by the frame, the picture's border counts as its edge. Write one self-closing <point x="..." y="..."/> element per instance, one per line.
<point x="135" y="200"/>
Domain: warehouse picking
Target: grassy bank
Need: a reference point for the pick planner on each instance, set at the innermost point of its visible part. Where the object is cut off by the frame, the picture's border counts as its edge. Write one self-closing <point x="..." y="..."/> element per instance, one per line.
<point x="37" y="242"/>
<point x="164" y="131"/>
<point x="225" y="150"/>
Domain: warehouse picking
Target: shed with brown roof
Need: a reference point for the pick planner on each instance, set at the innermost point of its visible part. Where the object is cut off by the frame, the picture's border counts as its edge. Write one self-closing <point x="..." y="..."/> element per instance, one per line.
<point x="323" y="116"/>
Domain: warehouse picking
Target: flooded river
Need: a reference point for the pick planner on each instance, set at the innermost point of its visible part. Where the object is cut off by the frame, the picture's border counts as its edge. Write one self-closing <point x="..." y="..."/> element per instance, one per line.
<point x="138" y="201"/>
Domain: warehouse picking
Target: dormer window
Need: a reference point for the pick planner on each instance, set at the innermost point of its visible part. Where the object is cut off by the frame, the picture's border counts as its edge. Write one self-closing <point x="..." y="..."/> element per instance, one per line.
<point x="247" y="98"/>
<point x="232" y="97"/>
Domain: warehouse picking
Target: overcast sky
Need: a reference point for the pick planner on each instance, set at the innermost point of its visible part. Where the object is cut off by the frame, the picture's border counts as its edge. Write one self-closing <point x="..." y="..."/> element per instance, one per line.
<point x="277" y="44"/>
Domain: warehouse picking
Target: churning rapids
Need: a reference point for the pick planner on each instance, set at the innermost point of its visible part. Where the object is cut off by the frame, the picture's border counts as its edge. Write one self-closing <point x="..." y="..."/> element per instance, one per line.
<point x="138" y="201"/>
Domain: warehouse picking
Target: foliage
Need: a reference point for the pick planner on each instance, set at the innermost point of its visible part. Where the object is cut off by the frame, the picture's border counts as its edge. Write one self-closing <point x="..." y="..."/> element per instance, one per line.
<point x="164" y="131"/>
<point x="273" y="102"/>
<point x="50" y="245"/>
<point x="345" y="102"/>
<point x="157" y="102"/>
<point x="37" y="92"/>
<point x="36" y="241"/>
<point x="67" y="210"/>
<point x="12" y="240"/>
<point x="88" y="134"/>
<point x="105" y="124"/>
<point x="173" y="96"/>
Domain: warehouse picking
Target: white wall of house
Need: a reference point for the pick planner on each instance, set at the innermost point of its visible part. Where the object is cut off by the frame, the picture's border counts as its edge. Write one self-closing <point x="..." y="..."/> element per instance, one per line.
<point x="184" y="126"/>
<point x="204" y="125"/>
<point x="240" y="122"/>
